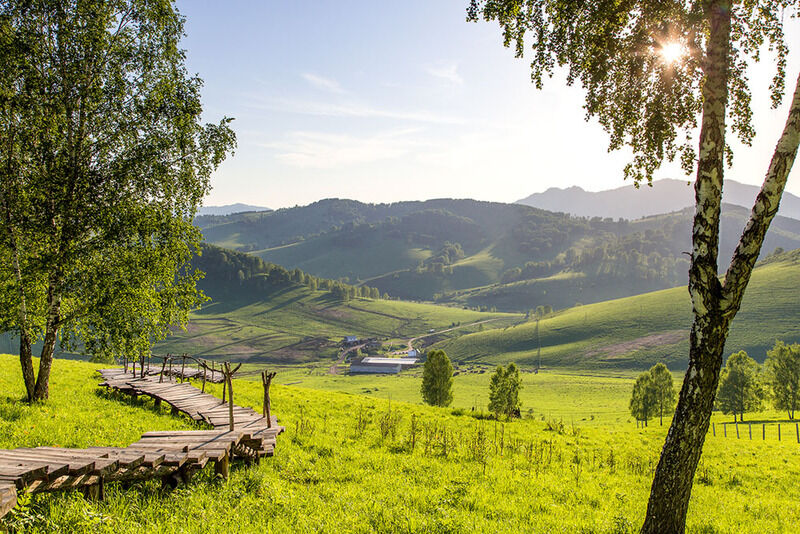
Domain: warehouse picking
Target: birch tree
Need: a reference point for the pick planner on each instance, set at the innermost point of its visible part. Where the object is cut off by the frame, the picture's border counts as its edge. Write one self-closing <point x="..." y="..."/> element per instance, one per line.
<point x="669" y="80"/>
<point x="103" y="163"/>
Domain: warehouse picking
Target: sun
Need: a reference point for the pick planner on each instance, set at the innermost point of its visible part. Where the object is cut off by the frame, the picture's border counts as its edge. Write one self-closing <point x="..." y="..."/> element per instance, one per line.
<point x="672" y="52"/>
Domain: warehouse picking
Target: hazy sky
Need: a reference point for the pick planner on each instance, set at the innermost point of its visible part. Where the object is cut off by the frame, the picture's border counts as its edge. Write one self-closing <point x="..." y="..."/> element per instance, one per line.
<point x="387" y="101"/>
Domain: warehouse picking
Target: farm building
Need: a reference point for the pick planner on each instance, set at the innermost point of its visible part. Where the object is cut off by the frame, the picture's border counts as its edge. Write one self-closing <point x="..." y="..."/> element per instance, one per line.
<point x="375" y="365"/>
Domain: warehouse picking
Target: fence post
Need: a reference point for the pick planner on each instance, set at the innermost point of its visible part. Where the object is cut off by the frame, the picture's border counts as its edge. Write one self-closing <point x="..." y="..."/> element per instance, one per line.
<point x="737" y="430"/>
<point x="204" y="377"/>
<point x="779" y="431"/>
<point x="797" y="432"/>
<point x="183" y="367"/>
<point x="266" y="381"/>
<point x="750" y="430"/>
<point x="725" y="429"/>
<point x="763" y="431"/>
<point x="713" y="429"/>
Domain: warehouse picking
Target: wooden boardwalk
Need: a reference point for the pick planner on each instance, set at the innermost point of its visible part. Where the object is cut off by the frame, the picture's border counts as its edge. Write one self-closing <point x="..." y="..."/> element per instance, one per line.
<point x="171" y="455"/>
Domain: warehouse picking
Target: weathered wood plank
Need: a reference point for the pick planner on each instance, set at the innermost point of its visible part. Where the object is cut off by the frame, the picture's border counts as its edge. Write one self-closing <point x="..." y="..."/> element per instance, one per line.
<point x="8" y="497"/>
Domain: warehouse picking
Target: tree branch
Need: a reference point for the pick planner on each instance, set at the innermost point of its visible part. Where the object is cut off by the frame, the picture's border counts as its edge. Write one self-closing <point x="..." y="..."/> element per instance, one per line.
<point x="764" y="210"/>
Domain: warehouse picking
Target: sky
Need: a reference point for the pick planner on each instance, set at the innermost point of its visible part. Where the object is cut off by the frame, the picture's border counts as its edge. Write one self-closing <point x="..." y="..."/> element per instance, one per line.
<point x="389" y="101"/>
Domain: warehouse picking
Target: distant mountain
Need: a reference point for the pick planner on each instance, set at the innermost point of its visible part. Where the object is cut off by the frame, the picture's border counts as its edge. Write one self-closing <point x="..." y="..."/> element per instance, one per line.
<point x="630" y="203"/>
<point x="229" y="209"/>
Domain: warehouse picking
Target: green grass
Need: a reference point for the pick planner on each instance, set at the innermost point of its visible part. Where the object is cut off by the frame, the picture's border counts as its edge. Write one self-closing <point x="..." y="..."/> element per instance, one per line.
<point x="635" y="332"/>
<point x="462" y="475"/>
<point x="583" y="399"/>
<point x="300" y="325"/>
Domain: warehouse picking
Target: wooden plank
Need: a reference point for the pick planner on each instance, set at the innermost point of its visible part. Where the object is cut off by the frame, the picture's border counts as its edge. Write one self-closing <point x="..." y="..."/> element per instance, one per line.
<point x="171" y="458"/>
<point x="149" y="459"/>
<point x="24" y="471"/>
<point x="77" y="466"/>
<point x="8" y="497"/>
<point x="54" y="468"/>
<point x="125" y="458"/>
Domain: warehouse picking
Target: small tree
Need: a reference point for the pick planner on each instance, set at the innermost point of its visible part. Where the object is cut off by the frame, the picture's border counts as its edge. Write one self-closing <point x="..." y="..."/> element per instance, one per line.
<point x="504" y="387"/>
<point x="783" y="367"/>
<point x="740" y="388"/>
<point x="644" y="400"/>
<point x="437" y="379"/>
<point x="665" y="390"/>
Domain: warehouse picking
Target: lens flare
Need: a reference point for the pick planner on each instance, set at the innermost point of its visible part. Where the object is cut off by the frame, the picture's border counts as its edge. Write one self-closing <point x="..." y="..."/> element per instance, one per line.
<point x="672" y="52"/>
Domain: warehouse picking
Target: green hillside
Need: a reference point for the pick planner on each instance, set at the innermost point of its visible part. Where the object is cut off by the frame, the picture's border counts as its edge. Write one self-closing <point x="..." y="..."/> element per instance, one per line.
<point x="261" y="312"/>
<point x="350" y="463"/>
<point x="637" y="331"/>
<point x="481" y="254"/>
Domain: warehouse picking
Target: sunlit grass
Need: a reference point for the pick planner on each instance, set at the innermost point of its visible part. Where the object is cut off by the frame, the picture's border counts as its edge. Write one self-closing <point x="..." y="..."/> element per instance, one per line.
<point x="331" y="474"/>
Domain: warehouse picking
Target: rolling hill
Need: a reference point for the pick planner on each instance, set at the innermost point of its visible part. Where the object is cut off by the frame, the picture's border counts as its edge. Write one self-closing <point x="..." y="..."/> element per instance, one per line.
<point x="636" y="332"/>
<point x="481" y="254"/>
<point x="260" y="312"/>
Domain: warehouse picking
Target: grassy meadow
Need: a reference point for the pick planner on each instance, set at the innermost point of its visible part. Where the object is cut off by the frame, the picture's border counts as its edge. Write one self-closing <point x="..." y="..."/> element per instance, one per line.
<point x="355" y="463"/>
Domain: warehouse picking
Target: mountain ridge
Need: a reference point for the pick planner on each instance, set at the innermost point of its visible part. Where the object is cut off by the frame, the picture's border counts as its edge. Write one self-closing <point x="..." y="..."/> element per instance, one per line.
<point x="628" y="202"/>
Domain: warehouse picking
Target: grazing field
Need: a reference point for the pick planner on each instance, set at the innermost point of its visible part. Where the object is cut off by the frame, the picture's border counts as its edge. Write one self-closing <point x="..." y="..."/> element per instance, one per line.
<point x="296" y="324"/>
<point x="636" y="332"/>
<point x="549" y="394"/>
<point x="352" y="463"/>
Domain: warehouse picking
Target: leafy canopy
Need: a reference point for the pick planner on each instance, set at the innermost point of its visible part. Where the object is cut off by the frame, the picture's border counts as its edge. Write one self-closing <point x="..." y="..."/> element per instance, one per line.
<point x="504" y="387"/>
<point x="665" y="389"/>
<point x="740" y="388"/>
<point x="783" y="369"/>
<point x="644" y="400"/>
<point x="104" y="163"/>
<point x="641" y="64"/>
<point x="437" y="379"/>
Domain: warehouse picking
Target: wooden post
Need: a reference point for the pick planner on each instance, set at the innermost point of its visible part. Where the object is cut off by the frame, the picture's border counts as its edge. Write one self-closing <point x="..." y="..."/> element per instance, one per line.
<point x="95" y="492"/>
<point x="163" y="365"/>
<point x="797" y="432"/>
<point x="224" y="384"/>
<point x="737" y="430"/>
<point x="229" y="381"/>
<point x="779" y="431"/>
<point x="183" y="367"/>
<point x="222" y="467"/>
<point x="713" y="429"/>
<point x="266" y="380"/>
<point x="725" y="429"/>
<point x="169" y="373"/>
<point x="763" y="432"/>
<point x="204" y="377"/>
<point x="750" y="430"/>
